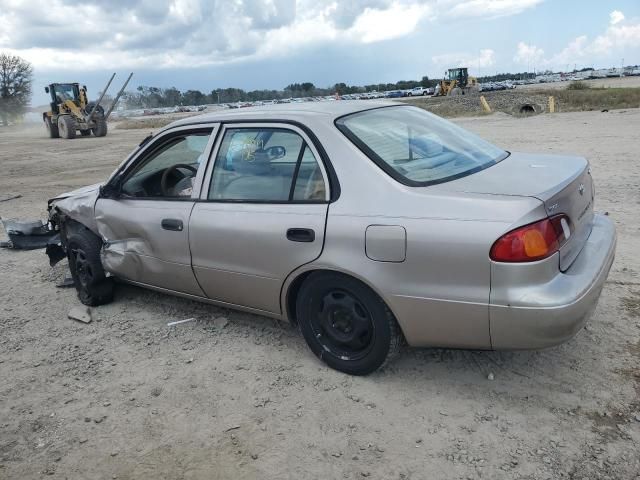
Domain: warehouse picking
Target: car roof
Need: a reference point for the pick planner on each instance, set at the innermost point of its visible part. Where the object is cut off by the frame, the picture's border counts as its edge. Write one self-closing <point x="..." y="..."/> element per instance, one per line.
<point x="296" y="112"/>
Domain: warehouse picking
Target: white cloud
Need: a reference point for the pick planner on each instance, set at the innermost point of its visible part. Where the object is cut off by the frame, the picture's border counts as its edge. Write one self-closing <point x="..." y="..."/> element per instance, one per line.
<point x="528" y="55"/>
<point x="167" y="33"/>
<point x="485" y="59"/>
<point x="606" y="47"/>
<point x="374" y="25"/>
<point x="616" y="37"/>
<point x="489" y="8"/>
<point x="616" y="17"/>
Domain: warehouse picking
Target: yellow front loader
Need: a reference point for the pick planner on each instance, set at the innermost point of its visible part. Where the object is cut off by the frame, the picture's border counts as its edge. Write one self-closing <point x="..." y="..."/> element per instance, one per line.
<point x="457" y="81"/>
<point x="71" y="111"/>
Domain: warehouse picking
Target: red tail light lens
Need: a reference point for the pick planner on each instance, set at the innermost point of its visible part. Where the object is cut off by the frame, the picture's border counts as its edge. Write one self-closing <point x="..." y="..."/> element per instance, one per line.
<point x="532" y="242"/>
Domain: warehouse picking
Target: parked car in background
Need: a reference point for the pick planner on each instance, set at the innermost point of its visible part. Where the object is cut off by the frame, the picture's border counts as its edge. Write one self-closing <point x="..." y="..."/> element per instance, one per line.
<point x="420" y="91"/>
<point x="362" y="223"/>
<point x="395" y="94"/>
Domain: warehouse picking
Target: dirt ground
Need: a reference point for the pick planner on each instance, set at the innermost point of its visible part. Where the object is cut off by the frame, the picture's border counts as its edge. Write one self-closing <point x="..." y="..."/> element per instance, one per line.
<point x="237" y="396"/>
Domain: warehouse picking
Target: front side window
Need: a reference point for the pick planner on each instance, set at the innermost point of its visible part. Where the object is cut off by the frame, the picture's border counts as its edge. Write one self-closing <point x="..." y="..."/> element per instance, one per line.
<point x="266" y="164"/>
<point x="416" y="147"/>
<point x="169" y="169"/>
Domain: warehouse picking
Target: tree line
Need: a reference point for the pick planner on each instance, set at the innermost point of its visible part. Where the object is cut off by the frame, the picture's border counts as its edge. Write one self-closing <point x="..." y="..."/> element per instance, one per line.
<point x="16" y="79"/>
<point x="155" y="97"/>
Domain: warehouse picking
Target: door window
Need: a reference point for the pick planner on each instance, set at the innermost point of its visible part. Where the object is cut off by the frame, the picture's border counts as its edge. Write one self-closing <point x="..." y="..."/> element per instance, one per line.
<point x="262" y="164"/>
<point x="170" y="169"/>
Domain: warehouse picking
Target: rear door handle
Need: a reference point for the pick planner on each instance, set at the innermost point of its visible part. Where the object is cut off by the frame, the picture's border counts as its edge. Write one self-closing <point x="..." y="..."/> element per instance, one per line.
<point x="172" y="224"/>
<point x="301" y="235"/>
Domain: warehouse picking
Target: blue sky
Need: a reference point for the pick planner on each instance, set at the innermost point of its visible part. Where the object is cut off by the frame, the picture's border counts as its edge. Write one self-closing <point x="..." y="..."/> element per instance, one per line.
<point x="255" y="44"/>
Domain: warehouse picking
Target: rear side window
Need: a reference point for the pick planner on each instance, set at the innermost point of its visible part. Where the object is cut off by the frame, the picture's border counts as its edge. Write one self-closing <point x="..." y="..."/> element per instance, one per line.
<point x="266" y="165"/>
<point x="416" y="147"/>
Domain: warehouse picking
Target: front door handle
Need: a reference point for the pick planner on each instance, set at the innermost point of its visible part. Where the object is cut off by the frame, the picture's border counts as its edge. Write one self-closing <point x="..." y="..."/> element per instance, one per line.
<point x="172" y="224"/>
<point x="301" y="235"/>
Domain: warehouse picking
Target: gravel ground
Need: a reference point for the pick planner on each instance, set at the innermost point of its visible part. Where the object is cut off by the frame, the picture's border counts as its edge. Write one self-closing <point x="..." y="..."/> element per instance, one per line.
<point x="233" y="395"/>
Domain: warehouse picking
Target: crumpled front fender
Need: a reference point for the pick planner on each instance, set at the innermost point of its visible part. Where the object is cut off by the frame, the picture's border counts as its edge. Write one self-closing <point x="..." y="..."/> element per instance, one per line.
<point x="78" y="205"/>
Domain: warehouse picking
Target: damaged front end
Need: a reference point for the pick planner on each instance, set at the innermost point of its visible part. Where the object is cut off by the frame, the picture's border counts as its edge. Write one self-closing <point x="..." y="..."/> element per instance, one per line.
<point x="67" y="212"/>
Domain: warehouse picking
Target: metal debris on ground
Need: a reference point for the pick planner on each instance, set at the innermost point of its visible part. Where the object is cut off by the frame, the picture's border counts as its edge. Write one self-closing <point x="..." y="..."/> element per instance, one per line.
<point x="28" y="235"/>
<point x="82" y="314"/>
<point x="10" y="197"/>
<point x="178" y="322"/>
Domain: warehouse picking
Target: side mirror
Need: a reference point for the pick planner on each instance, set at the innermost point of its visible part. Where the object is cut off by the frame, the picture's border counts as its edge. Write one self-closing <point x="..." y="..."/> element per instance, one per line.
<point x="275" y="152"/>
<point x="46" y="89"/>
<point x="84" y="87"/>
<point x="111" y="189"/>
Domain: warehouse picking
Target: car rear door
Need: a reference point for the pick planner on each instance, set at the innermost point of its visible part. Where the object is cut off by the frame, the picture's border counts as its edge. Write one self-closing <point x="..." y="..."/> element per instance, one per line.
<point x="144" y="229"/>
<point x="261" y="214"/>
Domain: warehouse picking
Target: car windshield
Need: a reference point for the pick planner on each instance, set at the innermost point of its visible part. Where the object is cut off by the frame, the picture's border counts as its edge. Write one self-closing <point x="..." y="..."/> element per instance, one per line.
<point x="416" y="147"/>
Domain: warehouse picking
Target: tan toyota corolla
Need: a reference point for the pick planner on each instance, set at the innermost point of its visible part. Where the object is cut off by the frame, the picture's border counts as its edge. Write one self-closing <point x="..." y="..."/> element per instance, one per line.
<point x="361" y="222"/>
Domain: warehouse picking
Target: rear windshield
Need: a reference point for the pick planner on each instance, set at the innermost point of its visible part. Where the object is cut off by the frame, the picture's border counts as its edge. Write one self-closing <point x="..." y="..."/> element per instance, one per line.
<point x="416" y="147"/>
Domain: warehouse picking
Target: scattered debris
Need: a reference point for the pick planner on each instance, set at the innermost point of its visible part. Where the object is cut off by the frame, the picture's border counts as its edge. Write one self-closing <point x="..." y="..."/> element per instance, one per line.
<point x="178" y="322"/>
<point x="491" y="376"/>
<point x="27" y="235"/>
<point x="10" y="197"/>
<point x="82" y="314"/>
<point x="220" y="322"/>
<point x="233" y="427"/>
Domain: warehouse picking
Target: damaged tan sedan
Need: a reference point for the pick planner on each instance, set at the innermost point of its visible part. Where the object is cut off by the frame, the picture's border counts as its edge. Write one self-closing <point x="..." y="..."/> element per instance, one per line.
<point x="362" y="224"/>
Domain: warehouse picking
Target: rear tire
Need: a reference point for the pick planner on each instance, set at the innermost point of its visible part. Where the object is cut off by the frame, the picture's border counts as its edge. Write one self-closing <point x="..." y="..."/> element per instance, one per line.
<point x="92" y="285"/>
<point x="67" y="126"/>
<point x="346" y="324"/>
<point x="100" y="130"/>
<point x="51" y="128"/>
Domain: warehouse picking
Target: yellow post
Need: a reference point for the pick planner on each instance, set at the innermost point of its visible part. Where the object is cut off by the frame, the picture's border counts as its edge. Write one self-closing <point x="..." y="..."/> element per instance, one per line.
<point x="485" y="104"/>
<point x="552" y="105"/>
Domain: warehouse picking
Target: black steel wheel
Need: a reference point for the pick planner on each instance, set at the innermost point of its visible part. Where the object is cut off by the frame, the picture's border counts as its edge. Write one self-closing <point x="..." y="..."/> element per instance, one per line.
<point x="346" y="324"/>
<point x="92" y="285"/>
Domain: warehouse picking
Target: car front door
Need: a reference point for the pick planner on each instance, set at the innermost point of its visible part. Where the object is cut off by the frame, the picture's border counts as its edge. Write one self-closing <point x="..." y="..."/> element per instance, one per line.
<point x="261" y="214"/>
<point x="144" y="220"/>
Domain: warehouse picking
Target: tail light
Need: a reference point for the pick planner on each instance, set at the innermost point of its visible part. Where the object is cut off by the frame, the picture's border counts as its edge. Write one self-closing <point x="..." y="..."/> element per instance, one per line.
<point x="532" y="242"/>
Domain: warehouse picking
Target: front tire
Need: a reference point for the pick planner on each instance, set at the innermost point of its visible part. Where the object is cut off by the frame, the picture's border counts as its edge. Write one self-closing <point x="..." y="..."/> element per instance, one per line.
<point x="92" y="285"/>
<point x="346" y="324"/>
<point x="67" y="127"/>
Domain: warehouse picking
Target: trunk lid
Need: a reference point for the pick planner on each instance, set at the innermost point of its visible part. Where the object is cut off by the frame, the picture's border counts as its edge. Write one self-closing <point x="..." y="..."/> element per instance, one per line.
<point x="562" y="183"/>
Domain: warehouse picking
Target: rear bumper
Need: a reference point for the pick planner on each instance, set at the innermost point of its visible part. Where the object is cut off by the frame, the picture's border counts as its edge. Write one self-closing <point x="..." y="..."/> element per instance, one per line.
<point x="536" y="305"/>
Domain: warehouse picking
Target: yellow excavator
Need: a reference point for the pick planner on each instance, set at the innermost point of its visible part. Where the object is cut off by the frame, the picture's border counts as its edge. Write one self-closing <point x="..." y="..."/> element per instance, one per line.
<point x="457" y="81"/>
<point x="71" y="110"/>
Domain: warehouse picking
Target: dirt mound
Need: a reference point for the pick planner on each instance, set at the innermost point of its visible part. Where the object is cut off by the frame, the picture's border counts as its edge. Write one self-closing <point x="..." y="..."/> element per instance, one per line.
<point x="512" y="102"/>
